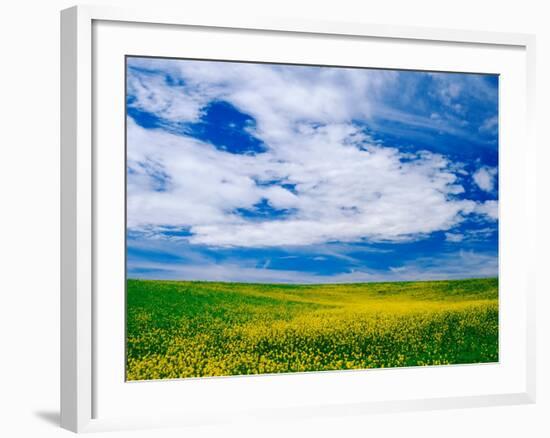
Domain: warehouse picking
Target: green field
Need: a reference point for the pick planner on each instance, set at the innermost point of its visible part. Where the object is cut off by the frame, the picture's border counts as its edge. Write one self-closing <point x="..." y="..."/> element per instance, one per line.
<point x="181" y="329"/>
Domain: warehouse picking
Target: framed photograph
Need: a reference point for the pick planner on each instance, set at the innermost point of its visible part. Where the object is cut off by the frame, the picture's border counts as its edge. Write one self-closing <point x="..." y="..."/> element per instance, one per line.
<point x="283" y="219"/>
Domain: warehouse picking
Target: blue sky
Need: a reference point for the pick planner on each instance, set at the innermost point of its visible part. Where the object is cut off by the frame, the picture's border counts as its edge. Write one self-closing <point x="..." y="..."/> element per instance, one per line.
<point x="304" y="174"/>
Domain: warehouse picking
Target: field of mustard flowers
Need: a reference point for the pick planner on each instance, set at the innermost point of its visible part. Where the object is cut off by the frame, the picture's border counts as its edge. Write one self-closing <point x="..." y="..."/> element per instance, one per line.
<point x="179" y="329"/>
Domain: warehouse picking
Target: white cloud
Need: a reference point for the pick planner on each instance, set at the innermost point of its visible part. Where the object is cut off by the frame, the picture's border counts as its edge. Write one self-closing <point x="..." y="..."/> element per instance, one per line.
<point x="174" y="103"/>
<point x="488" y="208"/>
<point x="454" y="265"/>
<point x="355" y="194"/>
<point x="489" y="211"/>
<point x="484" y="177"/>
<point x="346" y="187"/>
<point x="490" y="125"/>
<point x="454" y="237"/>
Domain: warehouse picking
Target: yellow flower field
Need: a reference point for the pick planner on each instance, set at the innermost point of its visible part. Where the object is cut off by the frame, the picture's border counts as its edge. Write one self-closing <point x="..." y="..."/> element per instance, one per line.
<point x="178" y="329"/>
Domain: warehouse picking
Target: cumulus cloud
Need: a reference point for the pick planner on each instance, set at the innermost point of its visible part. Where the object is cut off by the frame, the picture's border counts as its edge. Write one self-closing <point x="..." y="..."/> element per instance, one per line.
<point x="488" y="208"/>
<point x="154" y="94"/>
<point x="485" y="177"/>
<point x="321" y="179"/>
<point x="341" y="192"/>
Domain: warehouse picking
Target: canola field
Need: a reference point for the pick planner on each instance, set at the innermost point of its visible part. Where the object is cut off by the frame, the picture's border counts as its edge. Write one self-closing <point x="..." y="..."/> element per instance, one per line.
<point x="179" y="329"/>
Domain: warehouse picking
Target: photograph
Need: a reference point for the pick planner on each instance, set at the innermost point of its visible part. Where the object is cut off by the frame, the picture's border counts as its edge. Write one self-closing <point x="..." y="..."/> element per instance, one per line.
<point x="289" y="218"/>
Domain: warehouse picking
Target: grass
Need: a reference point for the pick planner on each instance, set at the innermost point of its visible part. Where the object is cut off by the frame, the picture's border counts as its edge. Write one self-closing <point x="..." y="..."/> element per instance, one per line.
<point x="179" y="329"/>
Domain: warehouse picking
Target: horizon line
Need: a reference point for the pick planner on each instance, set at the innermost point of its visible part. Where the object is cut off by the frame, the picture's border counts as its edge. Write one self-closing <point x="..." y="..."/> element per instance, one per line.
<point x="316" y="284"/>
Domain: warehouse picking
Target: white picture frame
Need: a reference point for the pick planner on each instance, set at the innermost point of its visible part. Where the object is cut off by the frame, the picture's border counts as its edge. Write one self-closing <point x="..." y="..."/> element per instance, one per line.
<point x="81" y="170"/>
